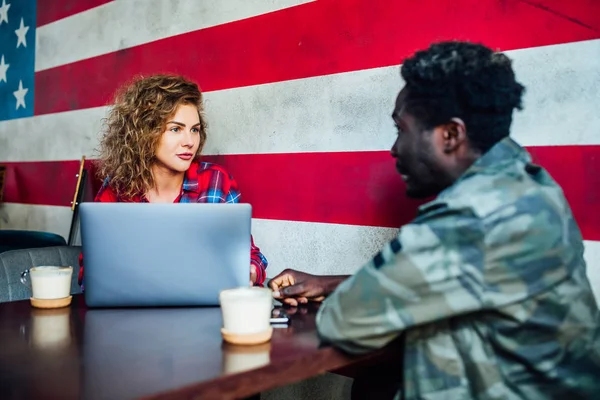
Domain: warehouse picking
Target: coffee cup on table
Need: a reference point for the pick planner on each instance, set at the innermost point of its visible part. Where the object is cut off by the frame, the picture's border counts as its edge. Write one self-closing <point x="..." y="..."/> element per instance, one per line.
<point x="246" y="315"/>
<point x="50" y="285"/>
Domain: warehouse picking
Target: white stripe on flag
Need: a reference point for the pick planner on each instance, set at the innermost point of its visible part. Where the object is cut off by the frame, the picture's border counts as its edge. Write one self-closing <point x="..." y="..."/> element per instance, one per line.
<point x="341" y="112"/>
<point x="135" y="22"/>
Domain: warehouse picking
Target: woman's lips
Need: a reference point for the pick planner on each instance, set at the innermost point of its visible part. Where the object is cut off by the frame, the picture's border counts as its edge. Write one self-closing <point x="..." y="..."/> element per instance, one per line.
<point x="185" y="156"/>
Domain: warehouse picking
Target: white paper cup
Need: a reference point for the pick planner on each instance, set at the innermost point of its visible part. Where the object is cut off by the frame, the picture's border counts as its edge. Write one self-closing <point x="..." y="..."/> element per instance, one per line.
<point x="246" y="310"/>
<point x="48" y="282"/>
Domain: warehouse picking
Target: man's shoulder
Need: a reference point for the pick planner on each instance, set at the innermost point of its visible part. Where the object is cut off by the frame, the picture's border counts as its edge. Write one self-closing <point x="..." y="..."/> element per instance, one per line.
<point x="515" y="224"/>
<point x="518" y="189"/>
<point x="518" y="206"/>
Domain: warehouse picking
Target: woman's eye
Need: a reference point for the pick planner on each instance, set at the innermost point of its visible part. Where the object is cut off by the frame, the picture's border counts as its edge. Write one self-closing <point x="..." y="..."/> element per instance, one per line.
<point x="195" y="130"/>
<point x="175" y="129"/>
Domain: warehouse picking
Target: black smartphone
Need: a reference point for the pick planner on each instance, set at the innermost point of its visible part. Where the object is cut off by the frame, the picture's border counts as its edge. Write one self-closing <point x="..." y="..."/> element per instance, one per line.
<point x="279" y="316"/>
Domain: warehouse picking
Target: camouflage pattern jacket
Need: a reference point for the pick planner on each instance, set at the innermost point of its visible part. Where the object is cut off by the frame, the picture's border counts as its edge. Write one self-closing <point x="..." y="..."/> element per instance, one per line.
<point x="488" y="285"/>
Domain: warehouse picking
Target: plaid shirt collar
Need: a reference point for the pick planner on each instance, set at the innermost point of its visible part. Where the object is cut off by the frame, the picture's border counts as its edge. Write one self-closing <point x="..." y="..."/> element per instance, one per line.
<point x="190" y="181"/>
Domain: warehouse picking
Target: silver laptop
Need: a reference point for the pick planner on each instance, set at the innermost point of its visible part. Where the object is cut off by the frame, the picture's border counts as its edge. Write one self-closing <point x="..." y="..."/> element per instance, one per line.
<point x="154" y="254"/>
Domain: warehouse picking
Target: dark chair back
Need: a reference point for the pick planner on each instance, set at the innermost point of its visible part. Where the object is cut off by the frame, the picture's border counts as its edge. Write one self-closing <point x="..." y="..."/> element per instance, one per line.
<point x="18" y="239"/>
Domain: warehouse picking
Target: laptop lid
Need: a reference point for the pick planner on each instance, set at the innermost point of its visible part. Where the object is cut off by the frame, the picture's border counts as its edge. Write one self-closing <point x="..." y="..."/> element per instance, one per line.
<point x="158" y="254"/>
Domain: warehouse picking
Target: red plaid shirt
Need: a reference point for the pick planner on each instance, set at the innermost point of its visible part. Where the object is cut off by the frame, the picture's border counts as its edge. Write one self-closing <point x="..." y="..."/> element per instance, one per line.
<point x="203" y="183"/>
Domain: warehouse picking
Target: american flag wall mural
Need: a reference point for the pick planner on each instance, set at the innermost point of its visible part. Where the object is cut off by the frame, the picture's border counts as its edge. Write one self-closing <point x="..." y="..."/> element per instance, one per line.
<point x="298" y="98"/>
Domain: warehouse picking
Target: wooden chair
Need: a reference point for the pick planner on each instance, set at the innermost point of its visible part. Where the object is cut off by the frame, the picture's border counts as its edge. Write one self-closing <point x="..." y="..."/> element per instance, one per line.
<point x="78" y="197"/>
<point x="21" y="239"/>
<point x="11" y="239"/>
<point x="27" y="239"/>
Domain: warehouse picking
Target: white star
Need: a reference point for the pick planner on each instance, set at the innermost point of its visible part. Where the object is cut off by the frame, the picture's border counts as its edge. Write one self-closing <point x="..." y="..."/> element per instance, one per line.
<point x="4" y="12"/>
<point x="20" y="95"/>
<point x="3" y="69"/>
<point x="21" y="32"/>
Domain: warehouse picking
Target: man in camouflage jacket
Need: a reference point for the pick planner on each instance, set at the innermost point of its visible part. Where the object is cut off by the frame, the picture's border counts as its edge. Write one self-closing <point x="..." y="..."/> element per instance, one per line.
<point x="488" y="283"/>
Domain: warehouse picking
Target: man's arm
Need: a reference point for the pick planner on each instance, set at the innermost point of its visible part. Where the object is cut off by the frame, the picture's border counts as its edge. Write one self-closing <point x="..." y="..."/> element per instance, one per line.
<point x="431" y="271"/>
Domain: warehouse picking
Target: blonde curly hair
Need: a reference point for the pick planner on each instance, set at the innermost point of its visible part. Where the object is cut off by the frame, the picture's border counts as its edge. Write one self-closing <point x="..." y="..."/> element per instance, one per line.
<point x="135" y="125"/>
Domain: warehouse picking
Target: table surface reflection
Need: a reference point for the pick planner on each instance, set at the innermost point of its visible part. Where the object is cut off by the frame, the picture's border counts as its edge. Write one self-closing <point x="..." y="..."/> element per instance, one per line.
<point x="77" y="352"/>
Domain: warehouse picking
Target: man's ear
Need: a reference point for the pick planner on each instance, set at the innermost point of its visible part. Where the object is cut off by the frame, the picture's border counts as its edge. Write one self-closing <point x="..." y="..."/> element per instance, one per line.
<point x="454" y="134"/>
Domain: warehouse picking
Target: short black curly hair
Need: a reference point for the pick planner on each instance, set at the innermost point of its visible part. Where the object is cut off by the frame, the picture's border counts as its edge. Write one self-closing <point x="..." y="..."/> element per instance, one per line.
<point x="465" y="80"/>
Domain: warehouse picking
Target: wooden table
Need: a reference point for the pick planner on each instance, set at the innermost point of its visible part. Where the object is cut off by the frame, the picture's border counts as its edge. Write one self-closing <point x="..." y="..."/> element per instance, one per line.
<point x="171" y="353"/>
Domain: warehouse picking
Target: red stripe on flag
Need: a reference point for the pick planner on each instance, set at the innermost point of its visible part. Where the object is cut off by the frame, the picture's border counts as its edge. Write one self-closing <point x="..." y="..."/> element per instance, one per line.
<point x="359" y="188"/>
<point x="53" y="10"/>
<point x="583" y="12"/>
<point x="320" y="38"/>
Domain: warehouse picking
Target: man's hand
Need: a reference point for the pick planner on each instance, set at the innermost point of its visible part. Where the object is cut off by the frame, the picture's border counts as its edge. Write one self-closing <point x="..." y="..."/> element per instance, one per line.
<point x="295" y="287"/>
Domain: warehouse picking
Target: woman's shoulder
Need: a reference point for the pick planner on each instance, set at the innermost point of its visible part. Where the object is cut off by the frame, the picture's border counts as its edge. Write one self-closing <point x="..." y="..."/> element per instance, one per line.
<point x="106" y="194"/>
<point x="207" y="167"/>
<point x="212" y="181"/>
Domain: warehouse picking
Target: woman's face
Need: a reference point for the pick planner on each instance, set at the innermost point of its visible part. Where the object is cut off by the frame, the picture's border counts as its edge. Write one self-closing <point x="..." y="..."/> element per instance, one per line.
<point x="180" y="140"/>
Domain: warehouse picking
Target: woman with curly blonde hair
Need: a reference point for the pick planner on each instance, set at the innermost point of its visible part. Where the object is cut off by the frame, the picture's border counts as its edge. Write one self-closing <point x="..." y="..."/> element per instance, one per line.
<point x="150" y="152"/>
